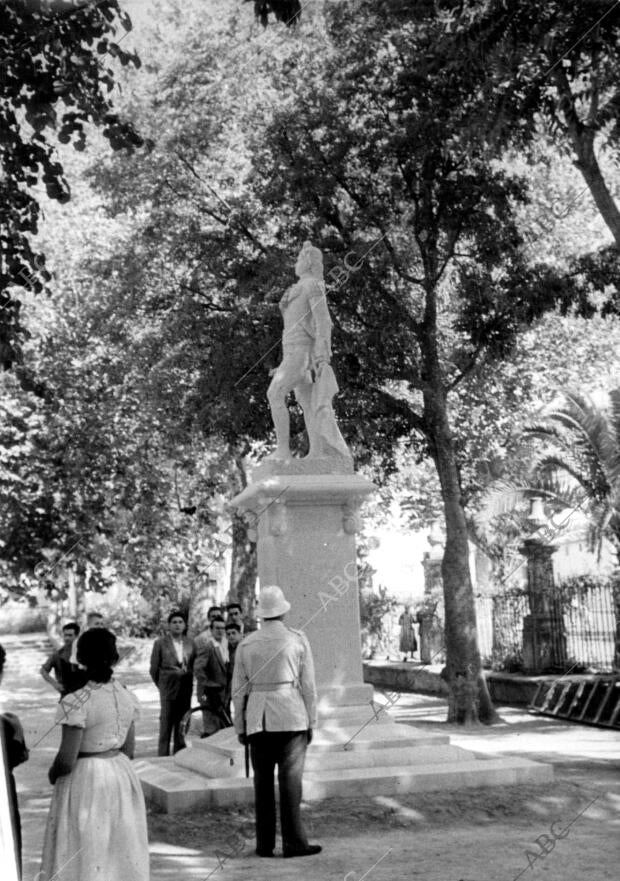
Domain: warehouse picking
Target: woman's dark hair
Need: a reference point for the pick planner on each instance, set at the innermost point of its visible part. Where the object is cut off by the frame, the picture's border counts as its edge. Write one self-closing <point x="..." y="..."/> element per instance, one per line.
<point x="176" y="614"/>
<point x="96" y="650"/>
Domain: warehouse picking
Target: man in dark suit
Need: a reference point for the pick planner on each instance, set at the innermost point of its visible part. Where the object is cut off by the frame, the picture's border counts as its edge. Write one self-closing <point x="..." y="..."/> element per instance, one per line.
<point x="211" y="670"/>
<point x="172" y="663"/>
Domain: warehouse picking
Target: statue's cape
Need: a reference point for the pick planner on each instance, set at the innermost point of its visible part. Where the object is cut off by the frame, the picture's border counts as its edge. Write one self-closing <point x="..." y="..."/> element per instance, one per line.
<point x="323" y="390"/>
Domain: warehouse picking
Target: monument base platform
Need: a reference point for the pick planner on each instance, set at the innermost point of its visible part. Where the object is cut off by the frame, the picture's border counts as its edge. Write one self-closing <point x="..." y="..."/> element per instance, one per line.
<point x="376" y="757"/>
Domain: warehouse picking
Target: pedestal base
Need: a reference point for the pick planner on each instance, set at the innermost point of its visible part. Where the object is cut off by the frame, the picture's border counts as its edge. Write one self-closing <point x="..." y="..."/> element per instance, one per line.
<point x="359" y="752"/>
<point x="544" y="645"/>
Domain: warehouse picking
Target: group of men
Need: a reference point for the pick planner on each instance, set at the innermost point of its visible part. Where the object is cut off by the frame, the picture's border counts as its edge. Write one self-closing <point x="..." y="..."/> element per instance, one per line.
<point x="176" y="660"/>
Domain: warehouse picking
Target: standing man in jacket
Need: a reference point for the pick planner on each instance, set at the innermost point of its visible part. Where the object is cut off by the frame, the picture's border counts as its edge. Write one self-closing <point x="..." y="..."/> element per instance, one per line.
<point x="274" y="694"/>
<point x="233" y="638"/>
<point x="172" y="662"/>
<point x="211" y="669"/>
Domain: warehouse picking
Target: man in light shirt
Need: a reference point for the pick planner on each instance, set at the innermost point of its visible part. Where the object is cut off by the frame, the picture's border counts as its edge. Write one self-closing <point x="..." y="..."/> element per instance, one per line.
<point x="172" y="663"/>
<point x="93" y="621"/>
<point x="274" y="696"/>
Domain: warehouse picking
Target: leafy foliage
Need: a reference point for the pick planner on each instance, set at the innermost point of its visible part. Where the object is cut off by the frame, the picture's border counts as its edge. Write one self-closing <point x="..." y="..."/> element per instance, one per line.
<point x="554" y="63"/>
<point x="374" y="606"/>
<point x="56" y="81"/>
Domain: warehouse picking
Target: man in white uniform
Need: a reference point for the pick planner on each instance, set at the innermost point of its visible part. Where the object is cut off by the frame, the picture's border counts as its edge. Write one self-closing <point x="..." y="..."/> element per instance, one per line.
<point x="274" y="695"/>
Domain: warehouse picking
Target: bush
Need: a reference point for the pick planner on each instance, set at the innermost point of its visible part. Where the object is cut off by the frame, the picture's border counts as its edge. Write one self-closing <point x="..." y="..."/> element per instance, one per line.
<point x="373" y="609"/>
<point x="22" y="618"/>
<point x="512" y="662"/>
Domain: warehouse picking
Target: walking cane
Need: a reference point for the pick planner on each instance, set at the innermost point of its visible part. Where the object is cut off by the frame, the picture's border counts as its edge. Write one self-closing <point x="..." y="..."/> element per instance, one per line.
<point x="246" y="745"/>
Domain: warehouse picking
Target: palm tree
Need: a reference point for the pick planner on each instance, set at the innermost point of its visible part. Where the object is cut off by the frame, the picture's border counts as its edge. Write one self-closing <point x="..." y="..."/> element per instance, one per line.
<point x="576" y="466"/>
<point x="580" y="468"/>
<point x="582" y="457"/>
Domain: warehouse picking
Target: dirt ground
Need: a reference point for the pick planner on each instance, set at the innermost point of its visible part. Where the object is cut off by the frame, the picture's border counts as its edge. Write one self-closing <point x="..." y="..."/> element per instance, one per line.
<point x="565" y="831"/>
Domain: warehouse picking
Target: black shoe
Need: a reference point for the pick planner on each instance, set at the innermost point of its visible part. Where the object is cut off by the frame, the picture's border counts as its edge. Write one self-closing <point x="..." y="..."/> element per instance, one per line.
<point x="309" y="851"/>
<point x="264" y="853"/>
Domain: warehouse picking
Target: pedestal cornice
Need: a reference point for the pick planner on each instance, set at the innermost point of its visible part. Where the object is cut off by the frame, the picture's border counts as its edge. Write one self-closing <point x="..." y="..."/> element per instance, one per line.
<point x="297" y="489"/>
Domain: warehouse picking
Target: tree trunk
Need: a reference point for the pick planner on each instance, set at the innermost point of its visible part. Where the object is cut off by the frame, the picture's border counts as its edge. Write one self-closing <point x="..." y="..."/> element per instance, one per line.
<point x="72" y="593"/>
<point x="202" y="596"/>
<point x="244" y="562"/>
<point x="587" y="164"/>
<point x="468" y="695"/>
<point x="581" y="137"/>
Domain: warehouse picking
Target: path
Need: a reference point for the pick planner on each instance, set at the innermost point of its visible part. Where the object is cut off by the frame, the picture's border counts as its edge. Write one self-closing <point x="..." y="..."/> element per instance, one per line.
<point x="481" y="835"/>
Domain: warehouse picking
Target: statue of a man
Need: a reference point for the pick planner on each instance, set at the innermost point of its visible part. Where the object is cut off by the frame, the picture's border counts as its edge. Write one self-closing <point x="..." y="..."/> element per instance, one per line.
<point x="305" y="367"/>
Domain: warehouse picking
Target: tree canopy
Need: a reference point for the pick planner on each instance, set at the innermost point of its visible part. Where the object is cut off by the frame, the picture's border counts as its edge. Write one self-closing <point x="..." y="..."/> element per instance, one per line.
<point x="57" y="78"/>
<point x="387" y="133"/>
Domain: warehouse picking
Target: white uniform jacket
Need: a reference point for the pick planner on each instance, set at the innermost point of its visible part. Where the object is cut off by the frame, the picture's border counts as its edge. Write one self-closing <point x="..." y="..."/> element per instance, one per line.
<point x="275" y="670"/>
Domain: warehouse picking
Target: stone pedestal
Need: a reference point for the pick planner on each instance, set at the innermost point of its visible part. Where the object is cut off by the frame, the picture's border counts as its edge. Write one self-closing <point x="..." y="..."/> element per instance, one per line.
<point x="537" y="644"/>
<point x="306" y="525"/>
<point x="306" y="517"/>
<point x="544" y="640"/>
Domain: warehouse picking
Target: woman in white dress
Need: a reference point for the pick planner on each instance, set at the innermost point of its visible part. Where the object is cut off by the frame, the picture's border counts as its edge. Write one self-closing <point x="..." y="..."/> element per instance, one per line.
<point x="96" y="828"/>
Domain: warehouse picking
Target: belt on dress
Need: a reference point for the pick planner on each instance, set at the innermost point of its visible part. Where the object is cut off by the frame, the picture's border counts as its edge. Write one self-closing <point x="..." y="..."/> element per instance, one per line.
<point x="106" y="754"/>
<point x="273" y="686"/>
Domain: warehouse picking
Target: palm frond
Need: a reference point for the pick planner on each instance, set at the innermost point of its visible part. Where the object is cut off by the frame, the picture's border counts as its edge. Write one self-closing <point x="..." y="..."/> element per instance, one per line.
<point x="549" y="432"/>
<point x="562" y="475"/>
<point x="505" y="496"/>
<point x="592" y="424"/>
<point x="583" y="454"/>
<point x="614" y="420"/>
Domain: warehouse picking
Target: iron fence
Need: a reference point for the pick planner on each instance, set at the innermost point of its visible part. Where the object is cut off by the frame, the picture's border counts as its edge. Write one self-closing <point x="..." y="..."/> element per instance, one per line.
<point x="581" y="618"/>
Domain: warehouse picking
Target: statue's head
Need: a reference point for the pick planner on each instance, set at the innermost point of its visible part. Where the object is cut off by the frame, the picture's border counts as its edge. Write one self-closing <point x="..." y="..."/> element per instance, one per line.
<point x="310" y="261"/>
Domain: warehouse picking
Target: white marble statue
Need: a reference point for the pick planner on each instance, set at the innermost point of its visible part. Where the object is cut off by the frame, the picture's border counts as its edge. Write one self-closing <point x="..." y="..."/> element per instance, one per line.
<point x="305" y="367"/>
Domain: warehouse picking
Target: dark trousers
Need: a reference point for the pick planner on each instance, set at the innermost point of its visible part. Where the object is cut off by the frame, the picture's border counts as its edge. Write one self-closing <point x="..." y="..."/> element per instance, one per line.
<point x="171" y="714"/>
<point x="211" y="722"/>
<point x="287" y="750"/>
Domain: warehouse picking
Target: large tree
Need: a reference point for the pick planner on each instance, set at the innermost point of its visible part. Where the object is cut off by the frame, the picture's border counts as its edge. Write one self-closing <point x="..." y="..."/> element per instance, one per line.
<point x="549" y="67"/>
<point x="202" y="263"/>
<point x="375" y="155"/>
<point x="556" y="68"/>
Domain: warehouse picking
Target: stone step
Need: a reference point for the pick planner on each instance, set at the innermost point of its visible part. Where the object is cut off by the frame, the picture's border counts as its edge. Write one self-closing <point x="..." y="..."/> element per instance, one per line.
<point x="219" y="761"/>
<point x="177" y="790"/>
<point x="432" y="777"/>
<point x="319" y="760"/>
<point x="373" y="734"/>
<point x="221" y="755"/>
